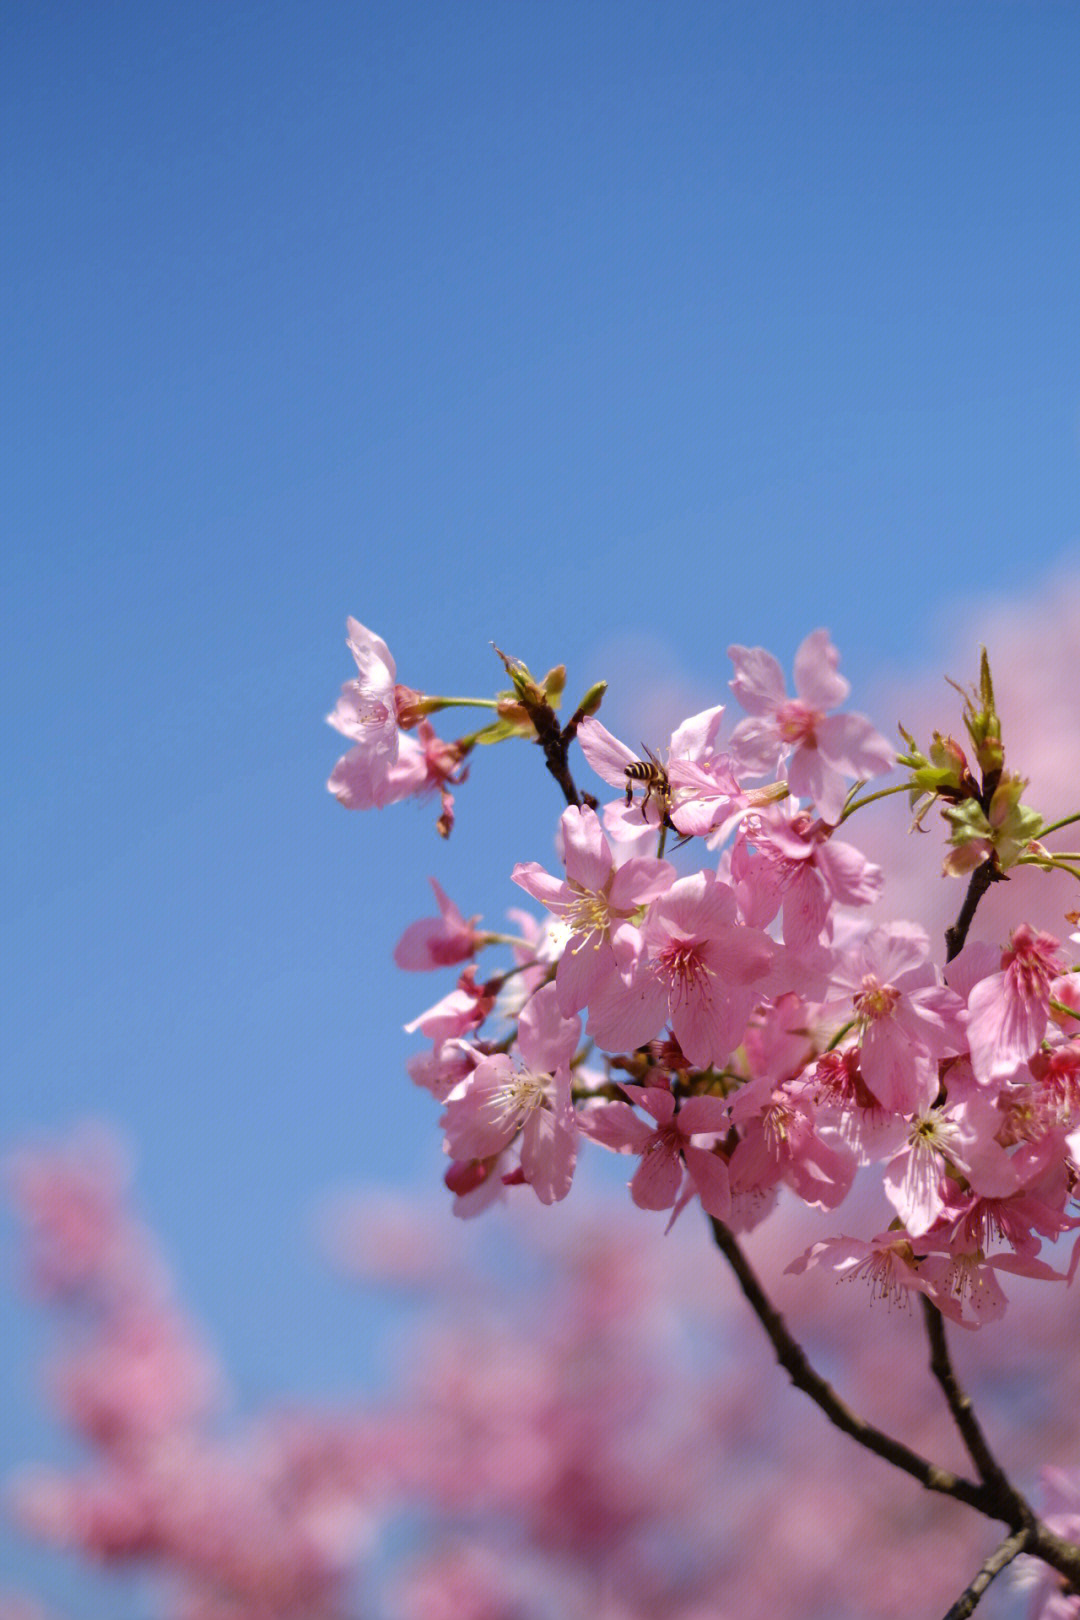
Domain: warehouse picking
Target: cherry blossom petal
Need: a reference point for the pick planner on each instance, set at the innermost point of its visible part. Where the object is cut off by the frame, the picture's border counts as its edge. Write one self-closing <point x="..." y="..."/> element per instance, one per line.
<point x="851" y="745"/>
<point x="606" y="754"/>
<point x="759" y="680"/>
<point x="817" y="682"/>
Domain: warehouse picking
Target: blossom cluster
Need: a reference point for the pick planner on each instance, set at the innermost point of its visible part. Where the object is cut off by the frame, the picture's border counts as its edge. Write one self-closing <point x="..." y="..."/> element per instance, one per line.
<point x="262" y="1523"/>
<point x="747" y="1026"/>
<point x="597" y="1444"/>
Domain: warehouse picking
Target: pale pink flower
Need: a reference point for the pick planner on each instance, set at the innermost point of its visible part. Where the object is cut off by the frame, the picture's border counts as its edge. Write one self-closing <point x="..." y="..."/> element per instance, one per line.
<point x="436" y="942"/>
<point x="440" y="1070"/>
<point x="1008" y="1012"/>
<point x="782" y="1140"/>
<point x="887" y="1263"/>
<point x="958" y="1135"/>
<point x="965" y="1286"/>
<point x="1036" y="1205"/>
<point x="702" y="796"/>
<point x="835" y="1081"/>
<point x="610" y="758"/>
<point x="827" y="748"/>
<point x="502" y="1101"/>
<point x="366" y="712"/>
<point x="1044" y="1098"/>
<point x="462" y="1010"/>
<point x="385" y="765"/>
<point x="789" y="860"/>
<point x="594" y="901"/>
<point x="628" y="833"/>
<point x="428" y="764"/>
<point x="676" y="1141"/>
<point x="698" y="968"/>
<point x="908" y="1022"/>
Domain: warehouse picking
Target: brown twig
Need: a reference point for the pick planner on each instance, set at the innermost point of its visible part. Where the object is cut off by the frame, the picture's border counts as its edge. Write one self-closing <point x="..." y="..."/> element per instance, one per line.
<point x="987" y="1498"/>
<point x="981" y="879"/>
<point x="553" y="739"/>
<point x="999" y="1559"/>
<point x="793" y="1359"/>
<point x="1013" y="1508"/>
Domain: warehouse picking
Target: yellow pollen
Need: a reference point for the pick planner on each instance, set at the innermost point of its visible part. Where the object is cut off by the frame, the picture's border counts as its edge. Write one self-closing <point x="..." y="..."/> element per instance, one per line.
<point x="589" y="914"/>
<point x="372" y="712"/>
<point x="774" y="1124"/>
<point x="522" y="1093"/>
<point x="876" y="1000"/>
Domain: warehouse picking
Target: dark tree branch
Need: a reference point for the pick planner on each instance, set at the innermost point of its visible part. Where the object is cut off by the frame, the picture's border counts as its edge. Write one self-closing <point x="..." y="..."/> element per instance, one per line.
<point x="555" y="742"/>
<point x="981" y="880"/>
<point x="556" y="746"/>
<point x="1013" y="1508"/>
<point x="999" y="1559"/>
<point x="793" y="1359"/>
<point x="996" y="1501"/>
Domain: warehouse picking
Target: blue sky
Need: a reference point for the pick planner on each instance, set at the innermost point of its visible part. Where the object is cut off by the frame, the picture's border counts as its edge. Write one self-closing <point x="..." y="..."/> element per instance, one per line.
<point x="609" y="332"/>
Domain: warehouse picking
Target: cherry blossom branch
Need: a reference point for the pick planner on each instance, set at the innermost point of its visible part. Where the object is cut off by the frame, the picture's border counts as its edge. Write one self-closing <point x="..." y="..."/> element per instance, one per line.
<point x="981" y="880"/>
<point x="999" y="1559"/>
<point x="793" y="1359"/>
<point x="554" y="739"/>
<point x="996" y="1501"/>
<point x="1012" y="1504"/>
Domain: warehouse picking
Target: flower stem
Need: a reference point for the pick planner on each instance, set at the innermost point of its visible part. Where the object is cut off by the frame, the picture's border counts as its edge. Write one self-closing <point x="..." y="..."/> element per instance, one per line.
<point x="868" y="798"/>
<point x="1065" y="821"/>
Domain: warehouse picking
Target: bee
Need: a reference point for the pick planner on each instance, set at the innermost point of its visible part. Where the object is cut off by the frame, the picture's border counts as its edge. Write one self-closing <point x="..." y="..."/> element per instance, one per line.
<point x="653" y="775"/>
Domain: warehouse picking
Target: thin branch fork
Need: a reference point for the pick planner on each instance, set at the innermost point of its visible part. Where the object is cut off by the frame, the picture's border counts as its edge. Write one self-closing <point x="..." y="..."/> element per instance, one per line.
<point x="792" y="1357"/>
<point x="1012" y="1505"/>
<point x="996" y="1498"/>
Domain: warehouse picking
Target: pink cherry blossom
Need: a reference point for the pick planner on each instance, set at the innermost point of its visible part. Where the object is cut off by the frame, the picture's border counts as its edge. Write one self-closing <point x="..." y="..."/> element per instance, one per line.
<point x="965" y="1287"/>
<point x="958" y="1135"/>
<point x="427" y="764"/>
<point x="667" y="1148"/>
<point x="596" y="898"/>
<point x="1033" y="1209"/>
<point x="384" y="765"/>
<point x="827" y="748"/>
<point x="462" y="1010"/>
<point x="908" y="1021"/>
<point x="366" y="712"/>
<point x="789" y="860"/>
<point x="703" y="796"/>
<point x="501" y="1101"/>
<point x="1008" y="1012"/>
<point x="697" y="967"/>
<point x="783" y="1139"/>
<point x="435" y="942"/>
<point x="887" y="1262"/>
<point x="440" y="1070"/>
